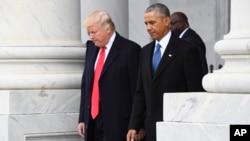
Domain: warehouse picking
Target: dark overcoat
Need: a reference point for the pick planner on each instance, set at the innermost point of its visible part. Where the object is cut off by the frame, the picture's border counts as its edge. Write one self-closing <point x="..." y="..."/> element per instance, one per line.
<point x="180" y="70"/>
<point x="117" y="85"/>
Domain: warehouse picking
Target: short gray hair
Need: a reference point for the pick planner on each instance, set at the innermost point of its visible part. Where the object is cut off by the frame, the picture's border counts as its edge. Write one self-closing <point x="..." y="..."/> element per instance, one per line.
<point x="159" y="8"/>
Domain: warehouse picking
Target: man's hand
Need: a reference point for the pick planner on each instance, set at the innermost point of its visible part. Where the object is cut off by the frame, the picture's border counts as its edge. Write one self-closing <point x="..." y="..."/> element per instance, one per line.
<point x="133" y="136"/>
<point x="81" y="129"/>
<point x="140" y="135"/>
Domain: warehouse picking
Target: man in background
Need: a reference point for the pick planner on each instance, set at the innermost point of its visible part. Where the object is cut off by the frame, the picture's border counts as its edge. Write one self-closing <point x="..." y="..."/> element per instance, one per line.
<point x="179" y="25"/>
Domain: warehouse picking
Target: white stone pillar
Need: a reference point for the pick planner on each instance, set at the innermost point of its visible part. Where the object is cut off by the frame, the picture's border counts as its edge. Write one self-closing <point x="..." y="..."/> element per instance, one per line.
<point x="235" y="50"/>
<point x="137" y="28"/>
<point x="40" y="44"/>
<point x="41" y="64"/>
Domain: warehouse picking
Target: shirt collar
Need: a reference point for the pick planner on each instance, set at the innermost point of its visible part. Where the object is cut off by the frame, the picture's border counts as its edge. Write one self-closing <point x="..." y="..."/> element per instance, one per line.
<point x="111" y="40"/>
<point x="183" y="32"/>
<point x="164" y="41"/>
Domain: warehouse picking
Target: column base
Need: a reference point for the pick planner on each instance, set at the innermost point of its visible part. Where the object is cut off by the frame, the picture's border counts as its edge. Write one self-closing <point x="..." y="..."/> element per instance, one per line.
<point x="41" y="115"/>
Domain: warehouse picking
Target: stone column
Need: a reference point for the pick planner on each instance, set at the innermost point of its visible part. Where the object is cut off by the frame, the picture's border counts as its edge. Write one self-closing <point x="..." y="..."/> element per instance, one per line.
<point x="137" y="28"/>
<point x="235" y="50"/>
<point x="207" y="116"/>
<point x="41" y="64"/>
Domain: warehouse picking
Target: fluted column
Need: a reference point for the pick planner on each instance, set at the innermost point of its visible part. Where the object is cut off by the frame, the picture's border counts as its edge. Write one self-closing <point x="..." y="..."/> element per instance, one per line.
<point x="40" y="44"/>
<point x="235" y="50"/>
<point x="41" y="65"/>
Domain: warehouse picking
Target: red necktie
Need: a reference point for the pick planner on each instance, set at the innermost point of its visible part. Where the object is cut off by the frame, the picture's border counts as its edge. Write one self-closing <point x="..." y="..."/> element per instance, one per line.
<point x="95" y="92"/>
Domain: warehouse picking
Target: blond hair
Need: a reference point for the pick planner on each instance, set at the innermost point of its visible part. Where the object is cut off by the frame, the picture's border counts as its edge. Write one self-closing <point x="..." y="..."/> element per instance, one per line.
<point x="99" y="17"/>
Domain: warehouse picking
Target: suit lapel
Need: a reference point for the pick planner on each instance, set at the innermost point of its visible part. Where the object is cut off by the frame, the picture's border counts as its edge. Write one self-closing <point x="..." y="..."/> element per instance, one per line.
<point x="90" y="61"/>
<point x="114" y="51"/>
<point x="93" y="56"/>
<point x="167" y="57"/>
<point x="149" y="51"/>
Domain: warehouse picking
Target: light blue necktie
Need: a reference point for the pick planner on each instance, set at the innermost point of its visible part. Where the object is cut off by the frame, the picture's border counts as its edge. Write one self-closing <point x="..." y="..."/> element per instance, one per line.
<point x="156" y="57"/>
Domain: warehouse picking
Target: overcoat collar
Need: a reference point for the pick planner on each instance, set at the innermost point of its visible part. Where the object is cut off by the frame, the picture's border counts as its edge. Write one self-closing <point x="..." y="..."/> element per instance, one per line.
<point x="167" y="57"/>
<point x="114" y="51"/>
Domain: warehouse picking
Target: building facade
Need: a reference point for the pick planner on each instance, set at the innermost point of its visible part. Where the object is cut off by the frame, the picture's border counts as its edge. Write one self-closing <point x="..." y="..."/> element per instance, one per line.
<point x="42" y="57"/>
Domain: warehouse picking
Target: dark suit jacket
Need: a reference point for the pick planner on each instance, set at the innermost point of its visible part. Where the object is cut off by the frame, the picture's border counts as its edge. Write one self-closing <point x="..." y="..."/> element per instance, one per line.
<point x="191" y="36"/>
<point x="179" y="71"/>
<point x="117" y="85"/>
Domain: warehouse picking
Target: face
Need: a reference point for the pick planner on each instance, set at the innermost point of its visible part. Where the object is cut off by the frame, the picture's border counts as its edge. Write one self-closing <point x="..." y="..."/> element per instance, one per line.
<point x="99" y="35"/>
<point x="177" y="25"/>
<point x="157" y="25"/>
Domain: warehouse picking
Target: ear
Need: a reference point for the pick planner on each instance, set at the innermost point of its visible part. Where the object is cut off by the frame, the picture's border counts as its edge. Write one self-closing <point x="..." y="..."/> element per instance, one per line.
<point x="167" y="21"/>
<point x="108" y="29"/>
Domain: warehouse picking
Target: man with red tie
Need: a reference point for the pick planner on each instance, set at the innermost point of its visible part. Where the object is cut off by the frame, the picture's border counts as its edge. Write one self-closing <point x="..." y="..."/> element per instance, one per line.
<point x="108" y="82"/>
